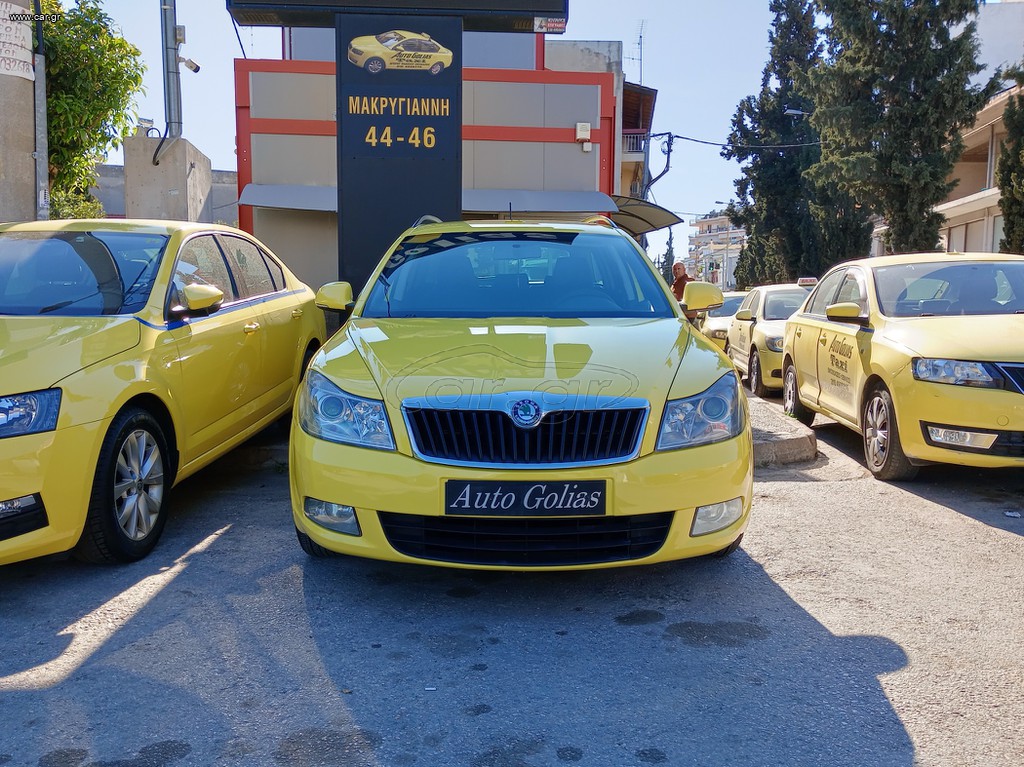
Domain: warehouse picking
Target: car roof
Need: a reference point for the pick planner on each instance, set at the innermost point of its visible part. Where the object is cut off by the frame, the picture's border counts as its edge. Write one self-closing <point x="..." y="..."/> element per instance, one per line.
<point x="515" y="225"/>
<point x="789" y="286"/>
<point x="139" y="225"/>
<point x="932" y="257"/>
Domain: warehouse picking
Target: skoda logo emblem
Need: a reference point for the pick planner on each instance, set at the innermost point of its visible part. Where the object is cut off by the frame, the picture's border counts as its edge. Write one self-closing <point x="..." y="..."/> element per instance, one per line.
<point x="526" y="413"/>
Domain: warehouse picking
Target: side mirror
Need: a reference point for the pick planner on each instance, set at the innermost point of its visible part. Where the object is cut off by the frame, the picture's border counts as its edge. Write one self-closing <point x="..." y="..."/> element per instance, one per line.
<point x="202" y="299"/>
<point x="744" y="315"/>
<point x="701" y="296"/>
<point x="336" y="297"/>
<point x="846" y="312"/>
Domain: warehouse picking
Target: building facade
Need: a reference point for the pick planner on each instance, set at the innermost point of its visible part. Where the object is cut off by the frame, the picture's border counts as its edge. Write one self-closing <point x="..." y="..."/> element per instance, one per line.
<point x="714" y="249"/>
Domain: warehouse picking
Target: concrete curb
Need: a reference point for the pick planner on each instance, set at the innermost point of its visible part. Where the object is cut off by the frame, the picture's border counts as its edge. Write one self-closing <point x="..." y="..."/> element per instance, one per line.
<point x="779" y="439"/>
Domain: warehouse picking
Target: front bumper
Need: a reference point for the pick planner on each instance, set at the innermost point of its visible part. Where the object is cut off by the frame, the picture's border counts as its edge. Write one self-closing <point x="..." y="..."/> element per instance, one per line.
<point x="771" y="368"/>
<point x="58" y="467"/>
<point x="674" y="482"/>
<point x="920" y="404"/>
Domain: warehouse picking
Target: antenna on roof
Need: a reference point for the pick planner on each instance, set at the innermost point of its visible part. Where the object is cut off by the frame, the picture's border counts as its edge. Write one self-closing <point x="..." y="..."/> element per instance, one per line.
<point x="640" y="48"/>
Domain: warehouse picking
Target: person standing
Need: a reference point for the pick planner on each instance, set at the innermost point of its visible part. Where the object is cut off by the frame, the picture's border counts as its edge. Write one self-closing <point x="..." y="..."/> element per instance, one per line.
<point x="680" y="278"/>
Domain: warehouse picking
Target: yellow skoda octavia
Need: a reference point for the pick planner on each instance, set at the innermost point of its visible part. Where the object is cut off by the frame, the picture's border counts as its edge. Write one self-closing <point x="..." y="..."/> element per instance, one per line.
<point x="399" y="49"/>
<point x="523" y="396"/>
<point x="132" y="354"/>
<point x="921" y="354"/>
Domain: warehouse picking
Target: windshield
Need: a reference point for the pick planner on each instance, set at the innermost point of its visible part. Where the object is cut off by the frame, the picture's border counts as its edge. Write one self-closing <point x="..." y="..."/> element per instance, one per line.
<point x="85" y="274"/>
<point x="780" y="304"/>
<point x="518" y="274"/>
<point x="729" y="308"/>
<point x="944" y="288"/>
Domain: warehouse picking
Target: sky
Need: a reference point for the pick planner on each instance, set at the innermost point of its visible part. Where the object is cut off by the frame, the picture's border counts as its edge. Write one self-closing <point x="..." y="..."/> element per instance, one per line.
<point x="702" y="56"/>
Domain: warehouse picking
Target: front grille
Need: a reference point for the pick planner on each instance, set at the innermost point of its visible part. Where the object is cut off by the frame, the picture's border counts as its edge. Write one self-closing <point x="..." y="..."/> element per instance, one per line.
<point x="1008" y="443"/>
<point x="1015" y="373"/>
<point x="490" y="436"/>
<point x="527" y="542"/>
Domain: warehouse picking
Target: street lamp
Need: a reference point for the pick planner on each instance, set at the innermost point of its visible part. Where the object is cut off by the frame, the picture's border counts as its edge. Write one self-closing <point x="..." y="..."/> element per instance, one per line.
<point x="791" y="112"/>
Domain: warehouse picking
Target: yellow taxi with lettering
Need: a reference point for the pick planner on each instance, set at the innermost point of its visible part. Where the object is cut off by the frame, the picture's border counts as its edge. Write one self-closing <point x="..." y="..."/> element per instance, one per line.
<point x="399" y="49"/>
<point x="520" y="396"/>
<point x="714" y="323"/>
<point x="921" y="354"/>
<point x="133" y="354"/>
<point x="754" y="339"/>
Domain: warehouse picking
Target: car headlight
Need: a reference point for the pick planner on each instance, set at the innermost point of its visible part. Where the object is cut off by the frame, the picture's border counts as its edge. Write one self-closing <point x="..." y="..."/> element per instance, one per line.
<point x="29" y="413"/>
<point x="711" y="416"/>
<point x="721" y="334"/>
<point x="956" y="372"/>
<point x="328" y="413"/>
<point x="774" y="343"/>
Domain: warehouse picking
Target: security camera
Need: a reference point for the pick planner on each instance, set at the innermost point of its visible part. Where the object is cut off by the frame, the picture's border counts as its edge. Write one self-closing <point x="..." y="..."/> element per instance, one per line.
<point x="189" y="63"/>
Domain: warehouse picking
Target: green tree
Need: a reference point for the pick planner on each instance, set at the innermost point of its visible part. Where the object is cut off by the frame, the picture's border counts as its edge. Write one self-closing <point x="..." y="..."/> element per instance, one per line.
<point x="1010" y="172"/>
<point x="663" y="263"/>
<point x="92" y="77"/>
<point x="796" y="226"/>
<point x="891" y="101"/>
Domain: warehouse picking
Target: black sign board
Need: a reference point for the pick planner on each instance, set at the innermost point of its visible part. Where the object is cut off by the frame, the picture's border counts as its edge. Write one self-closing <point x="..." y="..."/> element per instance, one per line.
<point x="399" y="131"/>
<point x="478" y="15"/>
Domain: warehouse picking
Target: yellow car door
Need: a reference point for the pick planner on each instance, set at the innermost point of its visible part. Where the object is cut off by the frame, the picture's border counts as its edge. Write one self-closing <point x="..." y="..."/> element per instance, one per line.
<point x="808" y="337"/>
<point x="843" y="351"/>
<point x="218" y="353"/>
<point x="261" y="281"/>
<point x="741" y="328"/>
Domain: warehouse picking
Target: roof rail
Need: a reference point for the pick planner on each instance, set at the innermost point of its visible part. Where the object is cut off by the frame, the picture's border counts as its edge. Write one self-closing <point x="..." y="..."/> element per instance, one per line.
<point x="427" y="219"/>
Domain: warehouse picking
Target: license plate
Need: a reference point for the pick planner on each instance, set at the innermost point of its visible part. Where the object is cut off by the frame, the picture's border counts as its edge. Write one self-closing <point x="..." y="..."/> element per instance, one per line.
<point x="525" y="499"/>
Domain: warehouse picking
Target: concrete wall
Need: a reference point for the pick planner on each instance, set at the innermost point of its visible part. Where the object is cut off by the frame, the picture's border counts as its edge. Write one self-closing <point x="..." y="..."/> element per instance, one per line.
<point x="306" y="240"/>
<point x="178" y="188"/>
<point x="17" y="126"/>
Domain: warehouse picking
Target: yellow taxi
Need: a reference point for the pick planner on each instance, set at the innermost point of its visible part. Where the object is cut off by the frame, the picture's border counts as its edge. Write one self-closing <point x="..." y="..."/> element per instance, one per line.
<point x="133" y="354"/>
<point x="714" y="323"/>
<point x="399" y="49"/>
<point x="921" y="354"/>
<point x="521" y="396"/>
<point x="754" y="340"/>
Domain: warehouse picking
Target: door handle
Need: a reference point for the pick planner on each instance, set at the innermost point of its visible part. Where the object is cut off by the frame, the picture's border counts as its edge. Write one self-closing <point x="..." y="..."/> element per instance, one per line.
<point x="296" y="313"/>
<point x="251" y="328"/>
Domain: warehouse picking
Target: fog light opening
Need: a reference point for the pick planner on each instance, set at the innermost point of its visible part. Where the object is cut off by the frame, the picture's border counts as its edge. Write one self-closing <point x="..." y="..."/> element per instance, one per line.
<point x="333" y="516"/>
<point x="943" y="435"/>
<point x="717" y="516"/>
<point x="16" y="506"/>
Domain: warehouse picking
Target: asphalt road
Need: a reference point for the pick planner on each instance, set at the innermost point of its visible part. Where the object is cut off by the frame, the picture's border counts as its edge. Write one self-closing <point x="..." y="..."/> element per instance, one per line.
<point x="860" y="624"/>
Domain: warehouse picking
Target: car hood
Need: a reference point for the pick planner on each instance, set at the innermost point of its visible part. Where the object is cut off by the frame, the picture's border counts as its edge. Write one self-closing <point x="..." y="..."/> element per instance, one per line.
<point x="369" y="41"/>
<point x="989" y="338"/>
<point x="445" y="360"/>
<point x="38" y="352"/>
<point x="772" y="327"/>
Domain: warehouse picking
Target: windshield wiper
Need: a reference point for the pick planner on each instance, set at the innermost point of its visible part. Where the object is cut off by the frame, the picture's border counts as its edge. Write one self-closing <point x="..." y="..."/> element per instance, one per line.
<point x="62" y="304"/>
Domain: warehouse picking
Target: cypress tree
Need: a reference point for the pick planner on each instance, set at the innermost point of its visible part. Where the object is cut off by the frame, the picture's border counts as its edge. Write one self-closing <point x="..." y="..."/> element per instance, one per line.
<point x="891" y="101"/>
<point x="1010" y="173"/>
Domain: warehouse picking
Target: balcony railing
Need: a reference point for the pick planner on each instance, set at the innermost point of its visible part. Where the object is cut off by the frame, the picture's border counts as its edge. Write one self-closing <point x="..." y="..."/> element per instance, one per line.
<point x="635" y="141"/>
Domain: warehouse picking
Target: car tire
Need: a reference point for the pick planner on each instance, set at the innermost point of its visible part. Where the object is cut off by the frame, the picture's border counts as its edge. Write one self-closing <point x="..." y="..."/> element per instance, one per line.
<point x="754" y="380"/>
<point x="128" y="505"/>
<point x="723" y="553"/>
<point x="883" y="451"/>
<point x="375" y="65"/>
<point x="437" y="68"/>
<point x="311" y="547"/>
<point x="791" y="404"/>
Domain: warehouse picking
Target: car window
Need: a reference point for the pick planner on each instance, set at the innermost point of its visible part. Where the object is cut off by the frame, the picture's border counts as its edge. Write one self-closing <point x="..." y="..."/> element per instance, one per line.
<point x="250" y="267"/>
<point x="946" y="288"/>
<point x="518" y="274"/>
<point x="752" y="301"/>
<point x="852" y="290"/>
<point x="201" y="263"/>
<point x="276" y="272"/>
<point x="728" y="308"/>
<point x="825" y="292"/>
<point x="780" y="304"/>
<point x="77" y="273"/>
